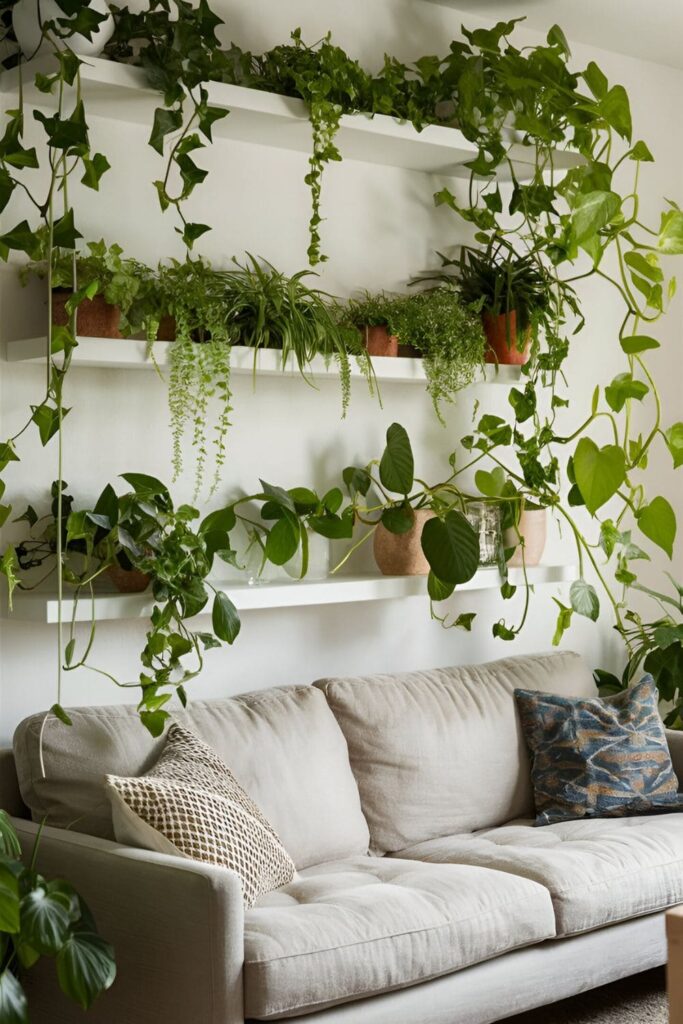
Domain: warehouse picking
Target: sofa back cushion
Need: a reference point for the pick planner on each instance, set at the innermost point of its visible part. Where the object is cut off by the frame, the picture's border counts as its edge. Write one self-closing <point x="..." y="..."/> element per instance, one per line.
<point x="441" y="752"/>
<point x="283" y="746"/>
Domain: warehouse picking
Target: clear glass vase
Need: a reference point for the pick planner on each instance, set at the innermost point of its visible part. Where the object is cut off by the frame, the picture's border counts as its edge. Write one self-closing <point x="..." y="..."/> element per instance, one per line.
<point x="318" y="559"/>
<point x="484" y="517"/>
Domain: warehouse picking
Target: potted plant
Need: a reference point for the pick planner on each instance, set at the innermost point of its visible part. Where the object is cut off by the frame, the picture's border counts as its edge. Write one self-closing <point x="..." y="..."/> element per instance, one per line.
<point x="511" y="293"/>
<point x="447" y="334"/>
<point x="265" y="309"/>
<point x="97" y="286"/>
<point x="417" y="529"/>
<point x="45" y="918"/>
<point x="192" y="297"/>
<point x="140" y="532"/>
<point x="372" y="316"/>
<point x="527" y="536"/>
<point x="295" y="527"/>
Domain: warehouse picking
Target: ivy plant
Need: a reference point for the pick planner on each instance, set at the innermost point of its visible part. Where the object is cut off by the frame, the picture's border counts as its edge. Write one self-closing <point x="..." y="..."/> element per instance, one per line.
<point x="141" y="529"/>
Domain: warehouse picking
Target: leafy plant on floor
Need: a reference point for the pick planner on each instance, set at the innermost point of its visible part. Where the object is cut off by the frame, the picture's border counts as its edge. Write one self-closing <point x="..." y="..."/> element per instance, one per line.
<point x="41" y="918"/>
<point x="144" y="531"/>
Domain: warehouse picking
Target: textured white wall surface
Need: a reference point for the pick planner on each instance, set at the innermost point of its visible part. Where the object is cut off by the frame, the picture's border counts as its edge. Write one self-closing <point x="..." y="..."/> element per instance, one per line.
<point x="380" y="229"/>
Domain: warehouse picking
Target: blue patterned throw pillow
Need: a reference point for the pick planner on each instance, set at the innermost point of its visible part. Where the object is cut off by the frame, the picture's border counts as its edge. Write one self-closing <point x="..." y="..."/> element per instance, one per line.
<point x="593" y="758"/>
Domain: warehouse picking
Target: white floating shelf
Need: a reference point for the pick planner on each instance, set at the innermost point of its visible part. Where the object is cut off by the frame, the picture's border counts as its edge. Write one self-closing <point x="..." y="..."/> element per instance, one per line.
<point x="121" y="92"/>
<point x="287" y="594"/>
<point x="131" y="354"/>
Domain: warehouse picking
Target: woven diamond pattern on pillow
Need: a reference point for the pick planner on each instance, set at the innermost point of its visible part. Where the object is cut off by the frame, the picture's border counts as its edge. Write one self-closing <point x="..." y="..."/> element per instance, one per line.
<point x="191" y="800"/>
<point x="596" y="758"/>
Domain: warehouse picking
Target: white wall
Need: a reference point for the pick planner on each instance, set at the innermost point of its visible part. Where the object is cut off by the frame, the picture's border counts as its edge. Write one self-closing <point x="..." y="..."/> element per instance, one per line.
<point x="381" y="228"/>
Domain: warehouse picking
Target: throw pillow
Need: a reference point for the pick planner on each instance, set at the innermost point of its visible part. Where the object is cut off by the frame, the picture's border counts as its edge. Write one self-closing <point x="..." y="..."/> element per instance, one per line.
<point x="595" y="758"/>
<point x="190" y="804"/>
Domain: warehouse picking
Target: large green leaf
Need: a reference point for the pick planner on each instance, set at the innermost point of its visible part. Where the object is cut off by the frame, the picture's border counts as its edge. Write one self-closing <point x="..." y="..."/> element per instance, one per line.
<point x="85" y="967"/>
<point x="397" y="467"/>
<point x="674" y="441"/>
<point x="282" y="541"/>
<point x="658" y="522"/>
<point x="593" y="211"/>
<point x="584" y="599"/>
<point x="9" y="902"/>
<point x="670" y="239"/>
<point x="13" y="1004"/>
<point x="616" y="110"/>
<point x="451" y="547"/>
<point x="599" y="472"/>
<point x="623" y="388"/>
<point x="225" y="619"/>
<point x="45" y="919"/>
<point x="9" y="841"/>
<point x="636" y="343"/>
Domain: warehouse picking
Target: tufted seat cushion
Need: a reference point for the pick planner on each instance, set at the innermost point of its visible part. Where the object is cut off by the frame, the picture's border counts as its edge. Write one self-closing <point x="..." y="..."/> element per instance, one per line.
<point x="598" y="871"/>
<point x="367" y="925"/>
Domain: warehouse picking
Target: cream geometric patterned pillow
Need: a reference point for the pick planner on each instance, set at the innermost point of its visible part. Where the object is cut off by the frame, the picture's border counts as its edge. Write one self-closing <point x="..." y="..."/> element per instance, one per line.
<point x="190" y="804"/>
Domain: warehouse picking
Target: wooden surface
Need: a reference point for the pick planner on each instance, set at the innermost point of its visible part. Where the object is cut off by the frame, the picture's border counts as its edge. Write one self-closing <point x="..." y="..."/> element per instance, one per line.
<point x="674" y="930"/>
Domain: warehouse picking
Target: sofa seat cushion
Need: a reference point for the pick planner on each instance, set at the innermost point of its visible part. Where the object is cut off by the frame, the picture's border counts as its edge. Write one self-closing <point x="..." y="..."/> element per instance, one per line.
<point x="598" y="871"/>
<point x="358" y="927"/>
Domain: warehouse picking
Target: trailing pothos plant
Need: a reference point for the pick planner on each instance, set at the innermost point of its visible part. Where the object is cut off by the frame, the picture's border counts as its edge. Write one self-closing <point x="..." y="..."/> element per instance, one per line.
<point x="41" y="918"/>
<point x="142" y="530"/>
<point x="572" y="226"/>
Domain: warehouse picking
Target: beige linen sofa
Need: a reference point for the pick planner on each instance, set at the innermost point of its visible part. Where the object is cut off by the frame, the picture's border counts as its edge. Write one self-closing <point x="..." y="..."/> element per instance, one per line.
<point x="424" y="895"/>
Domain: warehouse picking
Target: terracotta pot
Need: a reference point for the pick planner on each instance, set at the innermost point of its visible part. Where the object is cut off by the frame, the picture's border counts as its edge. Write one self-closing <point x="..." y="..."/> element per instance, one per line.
<point x="167" y="329"/>
<point x="408" y="352"/>
<point x="502" y="340"/>
<point x="379" y="342"/>
<point x="400" y="554"/>
<point x="95" y="318"/>
<point x="128" y="581"/>
<point x="533" y="528"/>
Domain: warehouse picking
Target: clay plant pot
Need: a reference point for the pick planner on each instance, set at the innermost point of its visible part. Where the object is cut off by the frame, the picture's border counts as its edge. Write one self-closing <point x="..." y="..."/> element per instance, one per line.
<point x="167" y="329"/>
<point x="401" y="554"/>
<point x="379" y="342"/>
<point x="533" y="527"/>
<point x="502" y="340"/>
<point x="128" y="581"/>
<point x="95" y="318"/>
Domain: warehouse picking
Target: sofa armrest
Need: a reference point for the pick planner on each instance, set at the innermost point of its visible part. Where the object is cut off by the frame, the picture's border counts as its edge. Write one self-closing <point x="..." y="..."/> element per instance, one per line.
<point x="177" y="927"/>
<point x="674" y="738"/>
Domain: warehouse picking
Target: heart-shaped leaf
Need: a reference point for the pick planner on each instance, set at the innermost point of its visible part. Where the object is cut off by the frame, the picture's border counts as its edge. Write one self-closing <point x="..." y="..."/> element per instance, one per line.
<point x="225" y="619"/>
<point x="85" y="967"/>
<point x="674" y="440"/>
<point x="599" y="472"/>
<point x="13" y="1003"/>
<point x="397" y="466"/>
<point x="45" y="920"/>
<point x="584" y="599"/>
<point x="623" y="388"/>
<point x="451" y="547"/>
<point x="658" y="522"/>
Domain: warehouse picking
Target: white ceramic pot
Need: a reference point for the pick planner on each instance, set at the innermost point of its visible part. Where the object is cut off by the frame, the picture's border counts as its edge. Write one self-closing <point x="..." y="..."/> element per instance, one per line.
<point x="26" y="25"/>
<point x="532" y="526"/>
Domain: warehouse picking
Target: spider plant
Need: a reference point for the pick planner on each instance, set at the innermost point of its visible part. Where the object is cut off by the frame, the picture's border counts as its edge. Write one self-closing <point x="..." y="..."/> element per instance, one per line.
<point x="265" y="309"/>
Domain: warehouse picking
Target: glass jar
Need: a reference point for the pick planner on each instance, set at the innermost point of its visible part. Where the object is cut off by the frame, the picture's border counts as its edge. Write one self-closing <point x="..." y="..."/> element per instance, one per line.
<point x="484" y="518"/>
